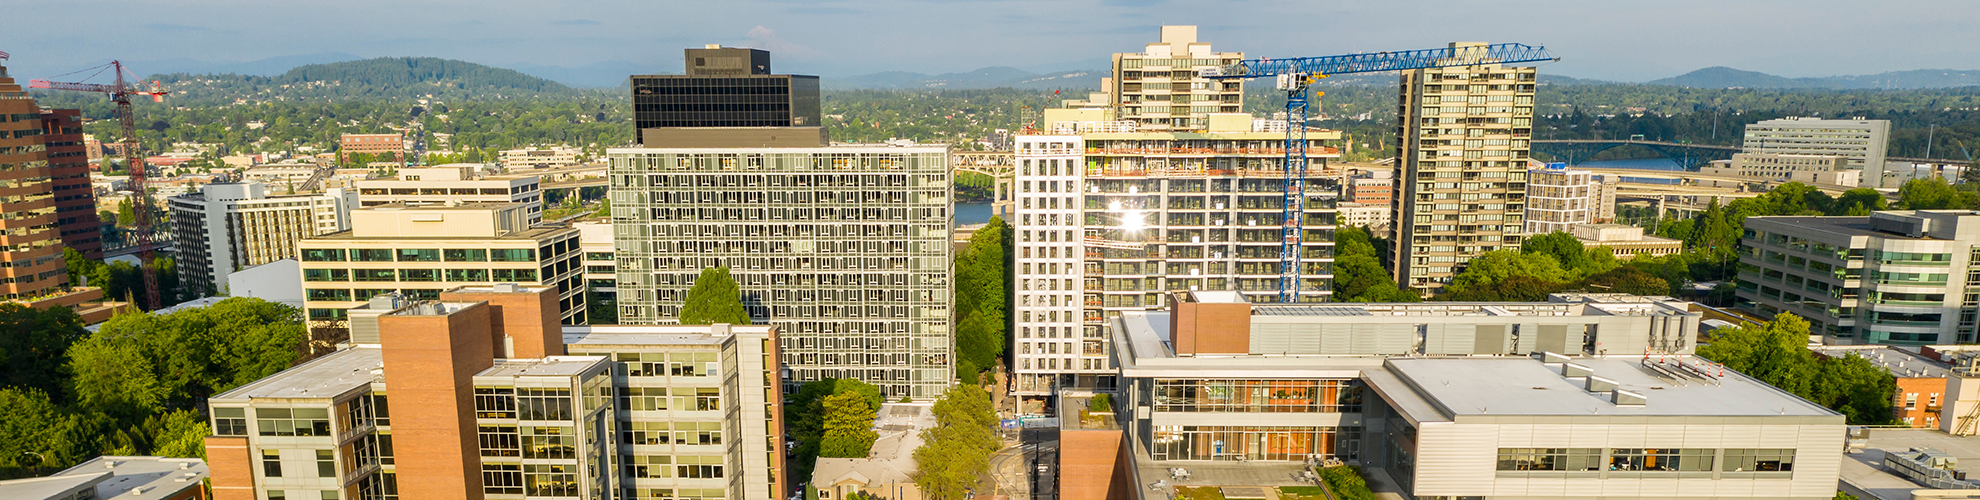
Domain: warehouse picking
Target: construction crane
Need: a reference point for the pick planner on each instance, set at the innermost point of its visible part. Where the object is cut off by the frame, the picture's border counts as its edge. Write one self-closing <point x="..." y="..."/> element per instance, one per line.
<point x="1296" y="75"/>
<point x="121" y="92"/>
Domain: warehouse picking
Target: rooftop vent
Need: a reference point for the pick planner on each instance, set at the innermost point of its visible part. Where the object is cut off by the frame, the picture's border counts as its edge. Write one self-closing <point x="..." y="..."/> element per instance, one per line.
<point x="507" y="288"/>
<point x="1599" y="384"/>
<point x="1571" y="370"/>
<point x="1625" y="398"/>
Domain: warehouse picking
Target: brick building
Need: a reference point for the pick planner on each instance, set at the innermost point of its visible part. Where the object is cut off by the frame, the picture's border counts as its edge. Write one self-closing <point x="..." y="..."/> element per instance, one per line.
<point x="68" y="166"/>
<point x="376" y="145"/>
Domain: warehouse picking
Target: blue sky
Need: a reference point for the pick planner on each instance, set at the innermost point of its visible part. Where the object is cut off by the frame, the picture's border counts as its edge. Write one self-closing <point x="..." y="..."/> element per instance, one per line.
<point x="1604" y="39"/>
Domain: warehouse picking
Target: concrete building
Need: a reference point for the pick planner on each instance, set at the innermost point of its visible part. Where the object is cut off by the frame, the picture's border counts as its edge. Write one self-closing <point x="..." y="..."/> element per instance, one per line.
<point x="1559" y="198"/>
<point x="32" y="249"/>
<point x="417" y="251"/>
<point x="1627" y="242"/>
<point x="381" y="147"/>
<point x="725" y="87"/>
<point x="453" y="184"/>
<point x="889" y="468"/>
<point x="279" y="282"/>
<point x="68" y="170"/>
<point x="227" y="227"/>
<point x="845" y="248"/>
<point x="1863" y="142"/>
<point x="1815" y="169"/>
<point x="1463" y="400"/>
<point x="1371" y="187"/>
<point x="1161" y="87"/>
<point x="1374" y="217"/>
<point x="601" y="270"/>
<point x="539" y="158"/>
<point x="1461" y="163"/>
<point x="481" y="394"/>
<point x="113" y="477"/>
<point x="1898" y="277"/>
<point x="1106" y="222"/>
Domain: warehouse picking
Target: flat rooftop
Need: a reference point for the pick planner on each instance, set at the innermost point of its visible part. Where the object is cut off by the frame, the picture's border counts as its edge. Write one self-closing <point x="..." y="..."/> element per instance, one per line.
<point x="651" y="335"/>
<point x="1593" y="308"/>
<point x="1866" y="474"/>
<point x="137" y="478"/>
<point x="324" y="377"/>
<point x="531" y="233"/>
<point x="1843" y="226"/>
<point x="1521" y="386"/>
<point x="551" y="366"/>
<point x="1898" y="361"/>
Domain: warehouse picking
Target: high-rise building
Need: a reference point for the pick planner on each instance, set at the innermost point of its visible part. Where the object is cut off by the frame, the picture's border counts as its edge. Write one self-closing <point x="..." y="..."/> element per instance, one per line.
<point x="227" y="227"/>
<point x="1461" y="160"/>
<point x="725" y="87"/>
<point x="846" y="249"/>
<point x="1161" y="88"/>
<point x="481" y="394"/>
<point x="1863" y="142"/>
<point x="68" y="167"/>
<point x="1110" y="222"/>
<point x="417" y="251"/>
<point x="33" y="245"/>
<point x="1898" y="277"/>
<point x="1559" y="198"/>
<point x="452" y="185"/>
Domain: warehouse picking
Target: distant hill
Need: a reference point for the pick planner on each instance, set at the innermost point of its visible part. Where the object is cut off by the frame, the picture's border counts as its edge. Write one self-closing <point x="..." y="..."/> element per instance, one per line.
<point x="985" y="78"/>
<point x="604" y="74"/>
<point x="1719" y="77"/>
<point x="387" y="77"/>
<point x="262" y="67"/>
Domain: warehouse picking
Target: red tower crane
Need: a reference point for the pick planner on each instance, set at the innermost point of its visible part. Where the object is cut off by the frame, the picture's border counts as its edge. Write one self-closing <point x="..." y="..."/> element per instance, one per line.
<point x="121" y="92"/>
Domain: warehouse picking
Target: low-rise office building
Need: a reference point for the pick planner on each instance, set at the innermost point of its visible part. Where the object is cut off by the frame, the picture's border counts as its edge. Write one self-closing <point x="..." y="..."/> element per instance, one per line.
<point x="1627" y="242"/>
<point x="452" y="185"/>
<point x="494" y="399"/>
<point x="534" y="158"/>
<point x="1897" y="277"/>
<point x="381" y="147"/>
<point x="417" y="251"/>
<point x="1813" y="169"/>
<point x="1570" y="398"/>
<point x="129" y="478"/>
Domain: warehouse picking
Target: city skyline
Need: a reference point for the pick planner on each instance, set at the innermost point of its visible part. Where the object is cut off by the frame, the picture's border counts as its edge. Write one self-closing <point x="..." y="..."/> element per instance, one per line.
<point x="1772" y="37"/>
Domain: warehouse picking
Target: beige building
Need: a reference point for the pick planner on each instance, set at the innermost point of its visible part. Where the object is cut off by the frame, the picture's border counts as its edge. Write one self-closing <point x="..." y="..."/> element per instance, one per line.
<point x="418" y="251"/>
<point x="227" y="227"/>
<point x="481" y="394"/>
<point x="1461" y="164"/>
<point x="1862" y="142"/>
<point x="1374" y="217"/>
<point x="1816" y="169"/>
<point x="534" y="158"/>
<point x="453" y="184"/>
<point x="1558" y="198"/>
<point x="1627" y="242"/>
<point x="1161" y="87"/>
<point x="889" y="468"/>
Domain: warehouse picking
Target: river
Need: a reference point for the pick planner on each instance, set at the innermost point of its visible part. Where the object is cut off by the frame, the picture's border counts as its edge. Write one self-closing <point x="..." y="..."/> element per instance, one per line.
<point x="972" y="213"/>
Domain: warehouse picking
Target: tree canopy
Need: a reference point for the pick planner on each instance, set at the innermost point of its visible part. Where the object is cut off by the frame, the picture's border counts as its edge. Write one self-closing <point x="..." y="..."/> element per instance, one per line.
<point x="1358" y="272"/>
<point x="714" y="299"/>
<point x="1777" y="353"/>
<point x="982" y="299"/>
<point x="955" y="452"/>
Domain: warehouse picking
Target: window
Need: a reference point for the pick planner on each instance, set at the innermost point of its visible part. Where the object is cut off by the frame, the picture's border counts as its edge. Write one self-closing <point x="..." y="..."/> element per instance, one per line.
<point x="271" y="464"/>
<point x="544" y="403"/>
<point x="548" y="442"/>
<point x="326" y="464"/>
<point x="500" y="441"/>
<point x="466" y="255"/>
<point x="376" y="275"/>
<point x="371" y="255"/>
<point x="494" y="402"/>
<point x="329" y="294"/>
<point x="514" y="275"/>
<point x="512" y="255"/>
<point x="418" y="275"/>
<point x="323" y="255"/>
<point x="419" y="255"/>
<point x="292" y="421"/>
<point x="1661" y="460"/>
<point x="1759" y="460"/>
<point x="501" y="479"/>
<point x="467" y="275"/>
<point x="551" y="480"/>
<point x="229" y="421"/>
<point x="1911" y="401"/>
<point x="326" y="275"/>
<point x="1550" y="459"/>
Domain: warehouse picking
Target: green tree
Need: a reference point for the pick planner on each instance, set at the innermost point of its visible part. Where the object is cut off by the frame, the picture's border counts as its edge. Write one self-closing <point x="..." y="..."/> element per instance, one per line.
<point x="115" y="376"/>
<point x="955" y="452"/>
<point x="1498" y="265"/>
<point x="1102" y="402"/>
<point x="714" y="299"/>
<point x="1859" y="202"/>
<point x="1564" y="248"/>
<point x="181" y="434"/>
<point x="1933" y="193"/>
<point x="1628" y="280"/>
<point x="848" y="426"/>
<point x="35" y="345"/>
<point x="982" y="299"/>
<point x="33" y="425"/>
<point x="1777" y="353"/>
<point x="804" y="416"/>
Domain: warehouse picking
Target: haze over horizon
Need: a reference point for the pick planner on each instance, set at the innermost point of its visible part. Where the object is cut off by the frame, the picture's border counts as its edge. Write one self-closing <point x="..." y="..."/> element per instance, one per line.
<point x="1619" y="42"/>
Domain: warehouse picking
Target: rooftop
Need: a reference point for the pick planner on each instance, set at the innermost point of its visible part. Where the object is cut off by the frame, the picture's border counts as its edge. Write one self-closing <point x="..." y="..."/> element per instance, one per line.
<point x="551" y="366"/>
<point x="652" y="335"/>
<point x="1865" y="472"/>
<point x="1521" y="386"/>
<point x="137" y="478"/>
<point x="323" y="377"/>
<point x="1900" y="362"/>
<point x="892" y="457"/>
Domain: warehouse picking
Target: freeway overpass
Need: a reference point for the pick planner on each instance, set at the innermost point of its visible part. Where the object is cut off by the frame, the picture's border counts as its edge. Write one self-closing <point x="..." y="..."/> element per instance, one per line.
<point x="1693" y="177"/>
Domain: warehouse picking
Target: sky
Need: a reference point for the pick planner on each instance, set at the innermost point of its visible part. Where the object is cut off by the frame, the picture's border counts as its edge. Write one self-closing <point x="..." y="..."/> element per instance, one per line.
<point x="1599" y="39"/>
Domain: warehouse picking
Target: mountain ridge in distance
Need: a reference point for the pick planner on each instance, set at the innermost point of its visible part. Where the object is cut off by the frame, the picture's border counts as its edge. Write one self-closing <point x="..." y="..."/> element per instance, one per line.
<point x="386" y="77"/>
<point x="1724" y="77"/>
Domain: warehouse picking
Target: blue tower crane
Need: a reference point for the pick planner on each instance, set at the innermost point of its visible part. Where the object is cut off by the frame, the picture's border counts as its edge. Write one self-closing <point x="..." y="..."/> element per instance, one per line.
<point x="1296" y="74"/>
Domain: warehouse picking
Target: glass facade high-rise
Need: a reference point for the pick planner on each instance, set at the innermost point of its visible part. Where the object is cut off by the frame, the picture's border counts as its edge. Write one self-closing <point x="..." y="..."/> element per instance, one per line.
<point x="846" y="249"/>
<point x="1461" y="165"/>
<point x="33" y="251"/>
<point x="725" y="87"/>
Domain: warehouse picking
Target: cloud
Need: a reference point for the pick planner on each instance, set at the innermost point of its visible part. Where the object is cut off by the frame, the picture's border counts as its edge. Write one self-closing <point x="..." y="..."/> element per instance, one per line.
<point x="767" y="39"/>
<point x="173" y="28"/>
<point x="576" y="22"/>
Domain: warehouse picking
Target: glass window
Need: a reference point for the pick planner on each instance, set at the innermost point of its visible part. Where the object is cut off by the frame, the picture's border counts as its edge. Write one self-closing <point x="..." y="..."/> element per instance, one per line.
<point x="271" y="465"/>
<point x="326" y="275"/>
<point x="1661" y="460"/>
<point x="230" y="421"/>
<point x="371" y="255"/>
<point x="376" y="275"/>
<point x="329" y="294"/>
<point x="548" y="442"/>
<point x="418" y="275"/>
<point x="515" y="275"/>
<point x="1759" y="460"/>
<point x="1550" y="459"/>
<point x="292" y="421"/>
<point x="467" y="255"/>
<point x="501" y="479"/>
<point x="551" y="480"/>
<point x="323" y="255"/>
<point x="419" y="255"/>
<point x="326" y="466"/>
<point x="472" y="275"/>
<point x="513" y="255"/>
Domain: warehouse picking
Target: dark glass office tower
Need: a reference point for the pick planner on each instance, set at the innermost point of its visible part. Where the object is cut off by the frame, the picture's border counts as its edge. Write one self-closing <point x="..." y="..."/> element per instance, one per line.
<point x="725" y="87"/>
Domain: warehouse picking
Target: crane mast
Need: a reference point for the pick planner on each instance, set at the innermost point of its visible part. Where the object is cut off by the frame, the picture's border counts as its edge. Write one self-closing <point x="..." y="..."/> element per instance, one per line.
<point x="121" y="93"/>
<point x="1296" y="76"/>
